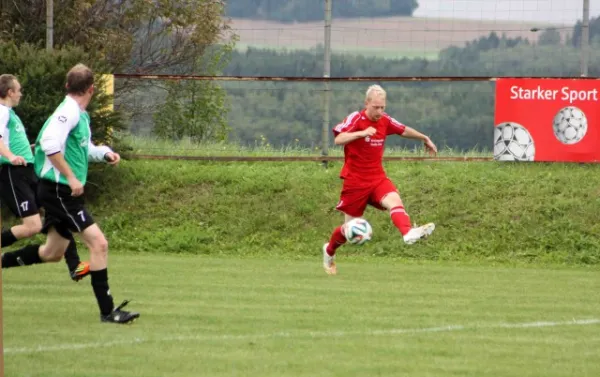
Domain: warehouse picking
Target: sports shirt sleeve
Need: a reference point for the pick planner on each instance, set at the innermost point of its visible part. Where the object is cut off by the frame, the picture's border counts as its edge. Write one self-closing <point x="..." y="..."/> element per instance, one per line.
<point x="4" y="116"/>
<point x="54" y="138"/>
<point x="348" y="124"/>
<point x="96" y="153"/>
<point x="394" y="127"/>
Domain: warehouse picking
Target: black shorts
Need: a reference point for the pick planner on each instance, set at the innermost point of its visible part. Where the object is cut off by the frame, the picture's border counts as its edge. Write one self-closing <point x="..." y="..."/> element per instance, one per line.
<point x="63" y="212"/>
<point x="18" y="189"/>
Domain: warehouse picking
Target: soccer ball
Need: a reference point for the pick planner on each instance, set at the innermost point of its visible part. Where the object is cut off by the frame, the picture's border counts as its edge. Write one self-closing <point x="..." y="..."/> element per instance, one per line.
<point x="512" y="142"/>
<point x="569" y="125"/>
<point x="358" y="231"/>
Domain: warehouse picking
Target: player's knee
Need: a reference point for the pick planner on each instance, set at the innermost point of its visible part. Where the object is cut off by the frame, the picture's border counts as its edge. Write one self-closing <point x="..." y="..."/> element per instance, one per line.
<point x="100" y="245"/>
<point x="32" y="227"/>
<point x="391" y="200"/>
<point x="53" y="258"/>
<point x="51" y="254"/>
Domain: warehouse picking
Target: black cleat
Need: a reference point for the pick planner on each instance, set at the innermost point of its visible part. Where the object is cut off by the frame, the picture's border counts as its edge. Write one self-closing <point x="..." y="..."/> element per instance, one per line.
<point x="120" y="316"/>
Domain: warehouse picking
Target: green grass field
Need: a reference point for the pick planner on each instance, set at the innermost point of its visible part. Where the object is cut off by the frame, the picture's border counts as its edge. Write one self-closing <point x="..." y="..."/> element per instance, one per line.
<point x="223" y="260"/>
<point x="211" y="316"/>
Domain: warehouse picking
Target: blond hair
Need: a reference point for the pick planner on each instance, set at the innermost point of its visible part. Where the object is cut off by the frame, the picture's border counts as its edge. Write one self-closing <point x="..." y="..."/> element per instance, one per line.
<point x="374" y="90"/>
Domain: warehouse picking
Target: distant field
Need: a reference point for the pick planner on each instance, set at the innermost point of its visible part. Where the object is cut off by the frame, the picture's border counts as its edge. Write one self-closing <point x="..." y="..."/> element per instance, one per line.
<point x="385" y="53"/>
<point x="387" y="37"/>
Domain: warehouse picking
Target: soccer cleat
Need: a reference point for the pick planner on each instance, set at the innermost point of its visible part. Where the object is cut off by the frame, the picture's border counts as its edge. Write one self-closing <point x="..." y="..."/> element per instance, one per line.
<point x="329" y="262"/>
<point x="418" y="233"/>
<point x="120" y="316"/>
<point x="82" y="270"/>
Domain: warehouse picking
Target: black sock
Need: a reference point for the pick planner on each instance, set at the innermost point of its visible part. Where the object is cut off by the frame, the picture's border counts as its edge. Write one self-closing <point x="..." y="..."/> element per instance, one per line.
<point x="102" y="292"/>
<point x="8" y="238"/>
<point x="23" y="257"/>
<point x="71" y="256"/>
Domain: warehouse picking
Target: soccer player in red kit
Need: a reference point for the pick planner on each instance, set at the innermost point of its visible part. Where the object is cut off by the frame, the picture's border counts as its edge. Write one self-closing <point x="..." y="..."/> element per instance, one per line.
<point x="365" y="182"/>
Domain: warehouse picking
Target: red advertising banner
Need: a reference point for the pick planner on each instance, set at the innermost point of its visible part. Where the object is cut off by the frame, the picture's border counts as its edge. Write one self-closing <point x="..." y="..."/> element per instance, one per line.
<point x="547" y="120"/>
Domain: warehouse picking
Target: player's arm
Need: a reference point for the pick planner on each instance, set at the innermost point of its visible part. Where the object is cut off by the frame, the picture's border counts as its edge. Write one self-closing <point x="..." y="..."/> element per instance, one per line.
<point x="397" y="128"/>
<point x="102" y="153"/>
<point x="344" y="138"/>
<point x="4" y="149"/>
<point x="14" y="159"/>
<point x="411" y="133"/>
<point x="52" y="141"/>
<point x="59" y="163"/>
<point x="346" y="131"/>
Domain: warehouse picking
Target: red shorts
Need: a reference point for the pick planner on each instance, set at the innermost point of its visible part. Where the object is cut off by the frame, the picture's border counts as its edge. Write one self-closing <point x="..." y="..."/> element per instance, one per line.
<point x="354" y="199"/>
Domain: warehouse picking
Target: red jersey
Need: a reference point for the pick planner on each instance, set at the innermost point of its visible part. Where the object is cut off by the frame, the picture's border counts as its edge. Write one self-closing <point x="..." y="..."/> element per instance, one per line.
<point x="363" y="157"/>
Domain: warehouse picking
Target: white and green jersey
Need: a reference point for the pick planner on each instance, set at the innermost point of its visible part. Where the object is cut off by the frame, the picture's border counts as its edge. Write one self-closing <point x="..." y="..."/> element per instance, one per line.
<point x="13" y="135"/>
<point x="67" y="131"/>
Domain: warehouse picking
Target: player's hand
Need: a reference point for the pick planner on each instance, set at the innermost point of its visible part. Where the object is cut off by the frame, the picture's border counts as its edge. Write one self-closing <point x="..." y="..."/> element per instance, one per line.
<point x="112" y="158"/>
<point x="76" y="186"/>
<point x="430" y="147"/>
<point x="369" y="132"/>
<point x="18" y="161"/>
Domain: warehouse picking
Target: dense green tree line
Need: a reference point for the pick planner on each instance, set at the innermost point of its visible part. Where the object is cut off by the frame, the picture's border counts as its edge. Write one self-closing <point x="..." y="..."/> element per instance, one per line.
<point x="313" y="10"/>
<point x="459" y="114"/>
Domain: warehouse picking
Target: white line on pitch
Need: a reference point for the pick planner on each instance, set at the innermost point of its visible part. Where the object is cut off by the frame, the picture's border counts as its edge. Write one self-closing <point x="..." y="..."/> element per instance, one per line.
<point x="284" y="334"/>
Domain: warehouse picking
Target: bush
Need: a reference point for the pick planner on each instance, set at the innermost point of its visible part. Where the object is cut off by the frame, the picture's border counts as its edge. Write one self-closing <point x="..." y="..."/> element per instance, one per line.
<point x="42" y="74"/>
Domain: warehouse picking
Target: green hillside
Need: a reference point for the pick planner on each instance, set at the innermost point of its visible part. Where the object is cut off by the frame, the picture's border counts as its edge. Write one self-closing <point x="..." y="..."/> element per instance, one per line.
<point x="485" y="211"/>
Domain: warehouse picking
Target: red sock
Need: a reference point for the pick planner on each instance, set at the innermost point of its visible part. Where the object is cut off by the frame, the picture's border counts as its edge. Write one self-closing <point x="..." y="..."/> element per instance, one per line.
<point x="337" y="239"/>
<point x="400" y="219"/>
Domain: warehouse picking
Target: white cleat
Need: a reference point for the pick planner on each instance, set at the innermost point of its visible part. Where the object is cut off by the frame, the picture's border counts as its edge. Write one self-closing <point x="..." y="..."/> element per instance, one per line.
<point x="418" y="233"/>
<point x="328" y="262"/>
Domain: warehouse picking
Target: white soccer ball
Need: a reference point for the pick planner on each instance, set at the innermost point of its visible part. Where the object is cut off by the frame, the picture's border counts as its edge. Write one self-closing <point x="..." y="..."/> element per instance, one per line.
<point x="358" y="231"/>
<point x="512" y="142"/>
<point x="570" y="125"/>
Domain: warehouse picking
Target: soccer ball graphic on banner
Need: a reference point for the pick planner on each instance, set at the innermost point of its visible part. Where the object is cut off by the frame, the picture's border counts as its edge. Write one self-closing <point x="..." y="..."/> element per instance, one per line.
<point x="512" y="142"/>
<point x="358" y="231"/>
<point x="569" y="125"/>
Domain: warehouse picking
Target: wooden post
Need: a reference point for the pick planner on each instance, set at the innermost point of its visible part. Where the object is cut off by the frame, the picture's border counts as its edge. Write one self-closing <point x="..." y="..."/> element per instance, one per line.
<point x="1" y="317"/>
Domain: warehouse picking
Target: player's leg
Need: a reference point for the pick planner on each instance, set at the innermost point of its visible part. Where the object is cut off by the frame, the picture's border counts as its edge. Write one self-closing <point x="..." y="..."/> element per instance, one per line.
<point x="388" y="198"/>
<point x="98" y="246"/>
<point x="19" y="197"/>
<point x="56" y="244"/>
<point x="51" y="251"/>
<point x="336" y="240"/>
<point x="77" y="269"/>
<point x="29" y="227"/>
<point x="353" y="202"/>
<point x="61" y="207"/>
<point x="46" y="197"/>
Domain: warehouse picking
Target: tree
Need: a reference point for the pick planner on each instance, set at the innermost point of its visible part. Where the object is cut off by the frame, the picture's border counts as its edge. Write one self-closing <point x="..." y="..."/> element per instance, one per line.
<point x="128" y="36"/>
<point x="131" y="35"/>
<point x="577" y="31"/>
<point x="195" y="109"/>
<point x="550" y="37"/>
<point x="42" y="74"/>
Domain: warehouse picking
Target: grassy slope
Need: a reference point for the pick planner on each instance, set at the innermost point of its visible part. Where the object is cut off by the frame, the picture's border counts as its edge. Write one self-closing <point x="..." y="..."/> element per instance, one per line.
<point x="484" y="211"/>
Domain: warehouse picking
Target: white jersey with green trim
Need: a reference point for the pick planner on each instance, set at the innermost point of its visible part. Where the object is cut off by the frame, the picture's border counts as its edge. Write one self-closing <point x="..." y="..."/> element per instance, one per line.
<point x="67" y="131"/>
<point x="13" y="135"/>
